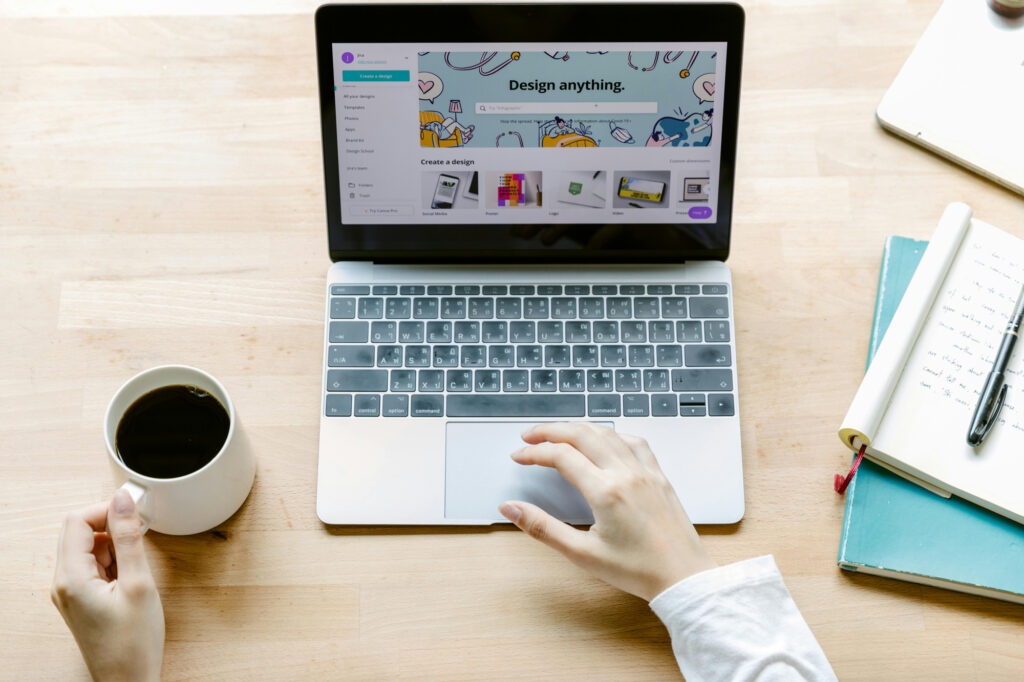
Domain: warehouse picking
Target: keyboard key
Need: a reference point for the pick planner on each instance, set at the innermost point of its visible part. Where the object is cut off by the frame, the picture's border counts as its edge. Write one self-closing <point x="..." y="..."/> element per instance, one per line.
<point x="655" y="380"/>
<point x="501" y="356"/>
<point x="453" y="308"/>
<point x="510" y="308"/>
<point x="459" y="380"/>
<point x="412" y="290"/>
<point x="692" y="411"/>
<point x="708" y="355"/>
<point x="385" y="290"/>
<point x="439" y="332"/>
<point x="660" y="332"/>
<point x="664" y="405"/>
<point x="577" y="289"/>
<point x="687" y="289"/>
<point x="709" y="307"/>
<point x="426" y="405"/>
<point x="338" y="405"/>
<point x="424" y="308"/>
<point x="701" y="380"/>
<point x="495" y="290"/>
<point x="487" y="380"/>
<point x="636" y="405"/>
<point x="689" y="399"/>
<point x="500" y="405"/>
<point x="577" y="332"/>
<point x="357" y="380"/>
<point x="659" y="289"/>
<point x="584" y="356"/>
<point x="549" y="332"/>
<point x="591" y="308"/>
<point x="688" y="332"/>
<point x="613" y="356"/>
<point x="350" y="356"/>
<point x="619" y="308"/>
<point x="398" y="308"/>
<point x="721" y="405"/>
<point x="604" y="406"/>
<point x="522" y="332"/>
<point x="349" y="332"/>
<point x="645" y="307"/>
<point x="383" y="332"/>
<point x="417" y="356"/>
<point x="515" y="380"/>
<point x="481" y="308"/>
<point x="467" y="332"/>
<point x="446" y="356"/>
<point x="395" y="406"/>
<point x="641" y="356"/>
<point x="473" y="356"/>
<point x="599" y="380"/>
<point x="631" y="289"/>
<point x="529" y="356"/>
<point x="549" y="290"/>
<point x="715" y="289"/>
<point x="673" y="307"/>
<point x="627" y="380"/>
<point x="349" y="290"/>
<point x="366" y="406"/>
<point x="563" y="308"/>
<point x="371" y="308"/>
<point x="343" y="308"/>
<point x="633" y="332"/>
<point x="467" y="290"/>
<point x="403" y="380"/>
<point x="716" y="331"/>
<point x="431" y="380"/>
<point x="389" y="356"/>
<point x="410" y="332"/>
<point x="439" y="290"/>
<point x="521" y="290"/>
<point x="669" y="356"/>
<point x="535" y="308"/>
<point x="605" y="290"/>
<point x="494" y="332"/>
<point x="570" y="380"/>
<point x="543" y="380"/>
<point x="557" y="356"/>
<point x="606" y="332"/>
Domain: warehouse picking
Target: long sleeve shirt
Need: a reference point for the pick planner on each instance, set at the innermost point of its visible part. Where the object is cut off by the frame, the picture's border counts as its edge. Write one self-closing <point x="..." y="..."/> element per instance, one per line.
<point x="739" y="622"/>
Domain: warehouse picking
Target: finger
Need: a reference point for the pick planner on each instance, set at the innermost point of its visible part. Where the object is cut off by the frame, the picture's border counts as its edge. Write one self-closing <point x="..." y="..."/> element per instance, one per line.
<point x="76" y="536"/>
<point x="540" y="525"/>
<point x="102" y="549"/>
<point x="592" y="440"/>
<point x="569" y="462"/>
<point x="642" y="451"/>
<point x="125" y="528"/>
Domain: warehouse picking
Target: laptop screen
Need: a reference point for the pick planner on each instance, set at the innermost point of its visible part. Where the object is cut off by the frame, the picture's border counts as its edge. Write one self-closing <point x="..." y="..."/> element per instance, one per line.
<point x="515" y="147"/>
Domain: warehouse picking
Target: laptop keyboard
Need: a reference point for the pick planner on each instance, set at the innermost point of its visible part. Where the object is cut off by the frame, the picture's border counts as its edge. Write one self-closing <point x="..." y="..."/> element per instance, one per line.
<point x="604" y="350"/>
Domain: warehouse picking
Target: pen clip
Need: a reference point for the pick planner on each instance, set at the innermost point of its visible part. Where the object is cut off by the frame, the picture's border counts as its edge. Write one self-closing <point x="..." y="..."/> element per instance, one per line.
<point x="991" y="415"/>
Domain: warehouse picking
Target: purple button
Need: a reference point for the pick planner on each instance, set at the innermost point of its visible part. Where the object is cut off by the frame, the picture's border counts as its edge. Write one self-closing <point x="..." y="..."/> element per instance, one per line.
<point x="700" y="212"/>
<point x="347" y="57"/>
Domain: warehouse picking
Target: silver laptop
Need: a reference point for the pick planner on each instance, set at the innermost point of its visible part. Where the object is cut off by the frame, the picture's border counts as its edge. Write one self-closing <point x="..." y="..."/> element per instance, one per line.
<point x="517" y="236"/>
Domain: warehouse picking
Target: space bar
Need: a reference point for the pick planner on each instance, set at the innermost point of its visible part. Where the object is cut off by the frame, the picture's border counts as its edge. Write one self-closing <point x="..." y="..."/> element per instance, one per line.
<point x="482" y="405"/>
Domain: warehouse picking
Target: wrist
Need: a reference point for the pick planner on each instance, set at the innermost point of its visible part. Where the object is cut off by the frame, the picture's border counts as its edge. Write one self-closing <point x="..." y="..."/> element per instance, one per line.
<point x="679" y="570"/>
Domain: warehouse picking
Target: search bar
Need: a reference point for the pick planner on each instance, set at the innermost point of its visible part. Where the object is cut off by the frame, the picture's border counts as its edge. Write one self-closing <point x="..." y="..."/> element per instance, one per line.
<point x="566" y="107"/>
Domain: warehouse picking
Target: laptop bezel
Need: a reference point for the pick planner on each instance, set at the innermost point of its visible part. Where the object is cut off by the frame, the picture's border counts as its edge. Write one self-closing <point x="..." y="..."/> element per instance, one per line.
<point x="678" y="22"/>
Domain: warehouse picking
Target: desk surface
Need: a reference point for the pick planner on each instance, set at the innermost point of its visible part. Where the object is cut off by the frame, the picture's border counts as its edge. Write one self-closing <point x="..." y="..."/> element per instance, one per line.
<point x="161" y="201"/>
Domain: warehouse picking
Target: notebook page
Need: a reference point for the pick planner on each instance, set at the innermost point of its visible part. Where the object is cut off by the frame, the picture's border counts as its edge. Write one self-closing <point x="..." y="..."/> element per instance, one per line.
<point x="931" y="408"/>
<point x="876" y="388"/>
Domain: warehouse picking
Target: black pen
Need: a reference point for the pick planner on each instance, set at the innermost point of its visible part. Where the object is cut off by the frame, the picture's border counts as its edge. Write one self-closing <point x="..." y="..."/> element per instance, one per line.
<point x="994" y="393"/>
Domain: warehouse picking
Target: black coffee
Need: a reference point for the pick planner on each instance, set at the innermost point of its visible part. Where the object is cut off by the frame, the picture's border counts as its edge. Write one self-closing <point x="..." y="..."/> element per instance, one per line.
<point x="172" y="431"/>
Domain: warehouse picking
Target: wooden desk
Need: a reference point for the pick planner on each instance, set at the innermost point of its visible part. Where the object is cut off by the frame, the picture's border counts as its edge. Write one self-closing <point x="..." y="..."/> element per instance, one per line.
<point x="161" y="201"/>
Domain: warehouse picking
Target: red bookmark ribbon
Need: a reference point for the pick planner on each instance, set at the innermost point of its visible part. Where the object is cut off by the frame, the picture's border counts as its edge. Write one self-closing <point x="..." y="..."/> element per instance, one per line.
<point x="841" y="482"/>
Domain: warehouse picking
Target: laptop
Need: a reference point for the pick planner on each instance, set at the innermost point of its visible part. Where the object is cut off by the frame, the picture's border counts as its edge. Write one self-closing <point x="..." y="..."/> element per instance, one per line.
<point x="517" y="237"/>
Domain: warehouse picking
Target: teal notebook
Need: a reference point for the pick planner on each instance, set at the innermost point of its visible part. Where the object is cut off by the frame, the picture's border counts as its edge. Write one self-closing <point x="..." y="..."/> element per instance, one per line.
<point x="895" y="528"/>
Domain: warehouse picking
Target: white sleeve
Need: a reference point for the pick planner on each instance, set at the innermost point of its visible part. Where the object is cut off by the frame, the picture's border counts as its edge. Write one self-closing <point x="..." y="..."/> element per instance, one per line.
<point x="738" y="622"/>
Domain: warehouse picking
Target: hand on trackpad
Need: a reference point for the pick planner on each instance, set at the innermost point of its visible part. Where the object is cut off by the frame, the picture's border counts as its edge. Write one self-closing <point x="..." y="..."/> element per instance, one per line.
<point x="479" y="475"/>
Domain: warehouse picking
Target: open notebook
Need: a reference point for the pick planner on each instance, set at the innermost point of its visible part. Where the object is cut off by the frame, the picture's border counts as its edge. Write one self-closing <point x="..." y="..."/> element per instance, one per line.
<point x="914" y="406"/>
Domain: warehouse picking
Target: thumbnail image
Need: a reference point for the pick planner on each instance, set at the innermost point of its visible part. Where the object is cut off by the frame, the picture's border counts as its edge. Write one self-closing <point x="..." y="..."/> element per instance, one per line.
<point x="450" y="189"/>
<point x="514" y="189"/>
<point x="640" y="189"/>
<point x="579" y="189"/>
<point x="695" y="189"/>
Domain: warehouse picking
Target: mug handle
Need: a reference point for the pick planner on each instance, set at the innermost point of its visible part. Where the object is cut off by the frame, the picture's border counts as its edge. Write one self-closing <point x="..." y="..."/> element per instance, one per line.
<point x="139" y="496"/>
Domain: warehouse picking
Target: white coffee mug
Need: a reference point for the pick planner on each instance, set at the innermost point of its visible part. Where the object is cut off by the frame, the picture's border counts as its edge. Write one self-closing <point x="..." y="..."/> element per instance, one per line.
<point x="197" y="501"/>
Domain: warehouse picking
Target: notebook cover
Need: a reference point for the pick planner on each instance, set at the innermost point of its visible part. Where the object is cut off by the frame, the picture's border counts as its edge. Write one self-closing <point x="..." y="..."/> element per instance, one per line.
<point x="901" y="530"/>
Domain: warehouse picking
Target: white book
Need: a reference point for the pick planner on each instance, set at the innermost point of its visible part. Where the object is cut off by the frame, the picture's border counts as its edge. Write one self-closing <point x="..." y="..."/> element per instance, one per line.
<point x="914" y="407"/>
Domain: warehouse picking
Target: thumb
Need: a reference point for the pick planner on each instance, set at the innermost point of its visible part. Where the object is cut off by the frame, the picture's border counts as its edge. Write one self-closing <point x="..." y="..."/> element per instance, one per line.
<point x="125" y="529"/>
<point x="540" y="525"/>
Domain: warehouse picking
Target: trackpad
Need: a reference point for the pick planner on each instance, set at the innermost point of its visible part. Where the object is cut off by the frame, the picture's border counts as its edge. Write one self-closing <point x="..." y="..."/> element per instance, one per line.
<point x="479" y="475"/>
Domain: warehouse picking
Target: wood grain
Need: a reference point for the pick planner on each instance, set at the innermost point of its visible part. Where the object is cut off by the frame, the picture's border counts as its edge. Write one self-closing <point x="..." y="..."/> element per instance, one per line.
<point x="161" y="201"/>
